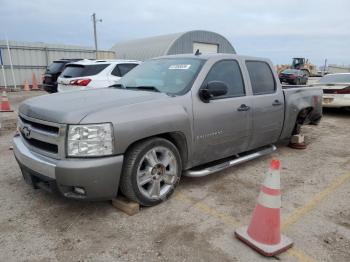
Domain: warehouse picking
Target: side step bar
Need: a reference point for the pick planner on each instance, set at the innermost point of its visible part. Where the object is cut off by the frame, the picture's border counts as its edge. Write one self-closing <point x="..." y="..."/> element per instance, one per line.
<point x="240" y="159"/>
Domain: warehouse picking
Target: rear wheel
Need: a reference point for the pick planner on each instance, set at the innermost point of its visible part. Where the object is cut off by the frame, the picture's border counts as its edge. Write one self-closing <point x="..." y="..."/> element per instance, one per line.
<point x="306" y="72"/>
<point x="151" y="172"/>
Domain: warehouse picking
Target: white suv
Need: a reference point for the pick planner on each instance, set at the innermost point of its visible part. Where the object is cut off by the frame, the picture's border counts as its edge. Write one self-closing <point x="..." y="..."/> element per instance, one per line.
<point x="87" y="74"/>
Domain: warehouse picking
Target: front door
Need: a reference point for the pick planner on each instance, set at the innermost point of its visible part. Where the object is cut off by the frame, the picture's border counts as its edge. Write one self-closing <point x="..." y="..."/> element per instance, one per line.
<point x="222" y="126"/>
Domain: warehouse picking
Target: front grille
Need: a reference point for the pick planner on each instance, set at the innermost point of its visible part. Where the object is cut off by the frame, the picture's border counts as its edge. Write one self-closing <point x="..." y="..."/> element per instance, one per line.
<point x="43" y="137"/>
<point x="42" y="145"/>
<point x="47" y="128"/>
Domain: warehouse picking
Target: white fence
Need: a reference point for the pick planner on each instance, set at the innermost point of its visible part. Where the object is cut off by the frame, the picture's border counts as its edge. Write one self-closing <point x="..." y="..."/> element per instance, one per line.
<point x="338" y="69"/>
<point x="29" y="58"/>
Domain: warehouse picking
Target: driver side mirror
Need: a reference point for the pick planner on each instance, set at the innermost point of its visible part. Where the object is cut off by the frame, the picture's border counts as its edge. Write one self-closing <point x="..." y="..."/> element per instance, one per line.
<point x="211" y="90"/>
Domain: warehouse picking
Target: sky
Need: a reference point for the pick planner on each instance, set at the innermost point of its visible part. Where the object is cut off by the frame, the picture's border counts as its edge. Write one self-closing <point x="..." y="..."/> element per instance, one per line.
<point x="277" y="29"/>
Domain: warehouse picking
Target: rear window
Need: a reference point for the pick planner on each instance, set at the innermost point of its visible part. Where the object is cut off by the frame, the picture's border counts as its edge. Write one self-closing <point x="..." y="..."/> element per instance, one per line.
<point x="82" y="70"/>
<point x="261" y="77"/>
<point x="338" y="78"/>
<point x="55" y="67"/>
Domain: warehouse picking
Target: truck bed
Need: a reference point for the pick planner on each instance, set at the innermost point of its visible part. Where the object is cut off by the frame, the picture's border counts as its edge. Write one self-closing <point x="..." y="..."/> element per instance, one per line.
<point x="296" y="99"/>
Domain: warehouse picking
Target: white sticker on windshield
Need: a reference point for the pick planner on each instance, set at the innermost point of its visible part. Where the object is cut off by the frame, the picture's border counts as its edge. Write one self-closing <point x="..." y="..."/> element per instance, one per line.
<point x="181" y="67"/>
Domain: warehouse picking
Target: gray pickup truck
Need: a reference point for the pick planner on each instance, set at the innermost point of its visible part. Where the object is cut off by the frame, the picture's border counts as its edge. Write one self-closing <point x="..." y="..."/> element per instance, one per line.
<point x="183" y="114"/>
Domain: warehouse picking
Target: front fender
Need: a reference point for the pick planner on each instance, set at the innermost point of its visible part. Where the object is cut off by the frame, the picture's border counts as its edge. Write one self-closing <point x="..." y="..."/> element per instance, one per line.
<point x="153" y="122"/>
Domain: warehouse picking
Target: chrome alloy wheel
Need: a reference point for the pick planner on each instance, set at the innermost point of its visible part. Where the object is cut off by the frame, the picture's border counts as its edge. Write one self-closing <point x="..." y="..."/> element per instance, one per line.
<point x="156" y="173"/>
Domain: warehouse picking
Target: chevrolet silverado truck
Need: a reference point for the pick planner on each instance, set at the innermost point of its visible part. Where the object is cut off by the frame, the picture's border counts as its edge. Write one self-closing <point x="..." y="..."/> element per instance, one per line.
<point x="182" y="114"/>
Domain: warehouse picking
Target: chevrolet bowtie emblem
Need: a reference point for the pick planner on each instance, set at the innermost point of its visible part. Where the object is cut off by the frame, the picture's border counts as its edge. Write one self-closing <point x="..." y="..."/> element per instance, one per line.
<point x="26" y="132"/>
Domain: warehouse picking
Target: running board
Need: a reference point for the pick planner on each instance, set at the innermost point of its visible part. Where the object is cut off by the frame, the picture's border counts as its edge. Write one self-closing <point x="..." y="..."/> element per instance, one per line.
<point x="236" y="161"/>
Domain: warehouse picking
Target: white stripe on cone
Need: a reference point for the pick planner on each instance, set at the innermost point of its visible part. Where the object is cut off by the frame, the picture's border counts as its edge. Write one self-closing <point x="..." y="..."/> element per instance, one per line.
<point x="269" y="200"/>
<point x="272" y="179"/>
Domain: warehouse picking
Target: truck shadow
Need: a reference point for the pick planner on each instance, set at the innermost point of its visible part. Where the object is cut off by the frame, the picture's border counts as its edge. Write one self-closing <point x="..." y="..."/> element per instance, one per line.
<point x="342" y="112"/>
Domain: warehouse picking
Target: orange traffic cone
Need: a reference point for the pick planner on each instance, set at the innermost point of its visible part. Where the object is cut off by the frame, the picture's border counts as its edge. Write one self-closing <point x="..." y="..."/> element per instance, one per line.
<point x="34" y="83"/>
<point x="26" y="86"/>
<point x="5" y="104"/>
<point x="264" y="231"/>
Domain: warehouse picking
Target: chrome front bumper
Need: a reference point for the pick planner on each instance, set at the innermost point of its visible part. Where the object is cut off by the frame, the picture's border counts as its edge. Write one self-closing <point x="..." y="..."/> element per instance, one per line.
<point x="99" y="177"/>
<point x="38" y="163"/>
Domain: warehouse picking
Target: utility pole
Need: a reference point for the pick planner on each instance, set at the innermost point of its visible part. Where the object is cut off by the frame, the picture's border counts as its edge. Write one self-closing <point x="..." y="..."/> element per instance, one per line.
<point x="94" y="21"/>
<point x="3" y="70"/>
<point x="11" y="64"/>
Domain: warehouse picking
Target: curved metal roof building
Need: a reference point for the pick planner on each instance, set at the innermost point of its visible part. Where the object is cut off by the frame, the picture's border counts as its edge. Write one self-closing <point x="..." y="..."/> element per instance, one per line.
<point x="179" y="43"/>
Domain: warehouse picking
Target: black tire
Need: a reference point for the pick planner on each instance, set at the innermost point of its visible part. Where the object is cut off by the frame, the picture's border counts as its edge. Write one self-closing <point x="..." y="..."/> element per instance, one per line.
<point x="306" y="72"/>
<point x="296" y="129"/>
<point x="297" y="81"/>
<point x="128" y="180"/>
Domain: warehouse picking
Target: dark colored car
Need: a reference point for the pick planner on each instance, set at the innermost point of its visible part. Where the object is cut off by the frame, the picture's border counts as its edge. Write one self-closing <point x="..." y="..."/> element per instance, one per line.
<point x="53" y="71"/>
<point x="293" y="76"/>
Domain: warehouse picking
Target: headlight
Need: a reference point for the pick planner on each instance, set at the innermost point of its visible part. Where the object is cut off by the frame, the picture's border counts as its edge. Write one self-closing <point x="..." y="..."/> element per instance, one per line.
<point x="90" y="140"/>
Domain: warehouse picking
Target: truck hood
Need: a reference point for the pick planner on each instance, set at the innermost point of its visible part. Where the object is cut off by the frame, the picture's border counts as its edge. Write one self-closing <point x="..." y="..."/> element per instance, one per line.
<point x="72" y="107"/>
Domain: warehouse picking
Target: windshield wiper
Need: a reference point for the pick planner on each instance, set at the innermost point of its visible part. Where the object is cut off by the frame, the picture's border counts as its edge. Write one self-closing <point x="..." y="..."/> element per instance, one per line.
<point x="142" y="88"/>
<point x="145" y="88"/>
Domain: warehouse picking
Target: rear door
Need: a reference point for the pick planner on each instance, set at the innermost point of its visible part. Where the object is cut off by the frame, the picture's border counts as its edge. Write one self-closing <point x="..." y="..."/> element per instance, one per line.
<point x="222" y="126"/>
<point x="268" y="104"/>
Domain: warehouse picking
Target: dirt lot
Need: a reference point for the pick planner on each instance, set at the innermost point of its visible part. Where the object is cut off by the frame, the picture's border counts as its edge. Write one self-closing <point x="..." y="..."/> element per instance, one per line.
<point x="198" y="222"/>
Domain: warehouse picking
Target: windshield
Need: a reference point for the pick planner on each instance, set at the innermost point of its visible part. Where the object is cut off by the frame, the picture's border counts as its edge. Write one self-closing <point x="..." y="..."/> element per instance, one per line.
<point x="298" y="61"/>
<point x="168" y="75"/>
<point x="336" y="78"/>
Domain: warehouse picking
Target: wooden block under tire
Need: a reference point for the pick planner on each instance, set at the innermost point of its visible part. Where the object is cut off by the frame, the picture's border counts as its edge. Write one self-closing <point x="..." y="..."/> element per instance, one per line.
<point x="297" y="139"/>
<point x="125" y="205"/>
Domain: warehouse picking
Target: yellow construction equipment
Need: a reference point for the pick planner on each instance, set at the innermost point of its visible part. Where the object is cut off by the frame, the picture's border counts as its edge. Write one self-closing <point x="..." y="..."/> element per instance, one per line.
<point x="302" y="64"/>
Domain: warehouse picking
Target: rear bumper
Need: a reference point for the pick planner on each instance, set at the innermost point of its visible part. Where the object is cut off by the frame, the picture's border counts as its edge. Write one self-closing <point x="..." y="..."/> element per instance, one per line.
<point x="287" y="80"/>
<point x="50" y="88"/>
<point x="67" y="88"/>
<point x="338" y="100"/>
<point x="99" y="177"/>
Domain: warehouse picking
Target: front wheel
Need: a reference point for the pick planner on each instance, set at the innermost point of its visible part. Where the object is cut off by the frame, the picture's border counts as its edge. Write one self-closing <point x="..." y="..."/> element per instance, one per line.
<point x="151" y="172"/>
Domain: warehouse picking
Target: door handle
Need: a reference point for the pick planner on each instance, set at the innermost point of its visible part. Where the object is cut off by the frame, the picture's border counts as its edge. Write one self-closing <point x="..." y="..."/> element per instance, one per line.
<point x="276" y="103"/>
<point x="243" y="107"/>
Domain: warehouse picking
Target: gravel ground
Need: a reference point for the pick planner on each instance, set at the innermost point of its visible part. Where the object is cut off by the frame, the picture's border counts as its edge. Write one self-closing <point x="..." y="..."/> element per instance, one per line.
<point x="198" y="222"/>
<point x="8" y="120"/>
